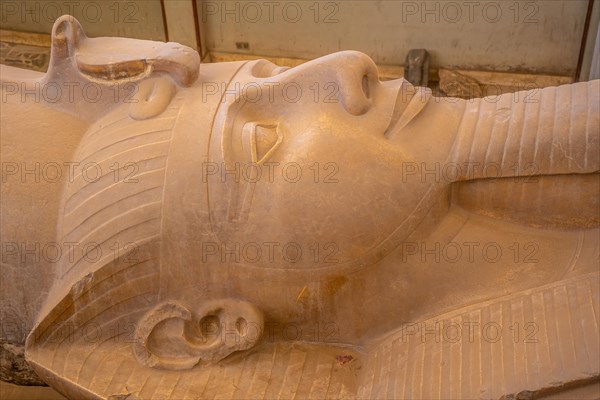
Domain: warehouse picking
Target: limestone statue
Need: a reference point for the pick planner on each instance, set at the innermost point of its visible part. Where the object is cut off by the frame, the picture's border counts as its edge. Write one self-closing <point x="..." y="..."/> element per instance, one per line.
<point x="243" y="230"/>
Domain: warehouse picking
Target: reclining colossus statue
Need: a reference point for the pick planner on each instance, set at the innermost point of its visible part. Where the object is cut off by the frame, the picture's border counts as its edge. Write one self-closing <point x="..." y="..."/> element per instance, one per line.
<point x="243" y="230"/>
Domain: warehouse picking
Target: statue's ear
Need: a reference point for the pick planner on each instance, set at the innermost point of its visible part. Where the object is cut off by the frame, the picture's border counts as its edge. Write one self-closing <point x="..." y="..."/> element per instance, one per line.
<point x="171" y="336"/>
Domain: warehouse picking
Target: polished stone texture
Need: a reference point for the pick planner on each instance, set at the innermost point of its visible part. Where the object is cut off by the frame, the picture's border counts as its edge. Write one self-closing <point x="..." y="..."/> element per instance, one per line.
<point x="243" y="230"/>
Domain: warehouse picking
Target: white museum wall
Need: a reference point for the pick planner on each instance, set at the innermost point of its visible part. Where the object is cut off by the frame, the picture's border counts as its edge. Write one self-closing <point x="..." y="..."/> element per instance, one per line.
<point x="590" y="66"/>
<point x="140" y="19"/>
<point x="541" y="36"/>
<point x="535" y="36"/>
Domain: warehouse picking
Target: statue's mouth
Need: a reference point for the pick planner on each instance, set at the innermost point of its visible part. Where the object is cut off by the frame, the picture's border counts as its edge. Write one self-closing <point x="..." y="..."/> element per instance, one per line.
<point x="410" y="100"/>
<point x="396" y="112"/>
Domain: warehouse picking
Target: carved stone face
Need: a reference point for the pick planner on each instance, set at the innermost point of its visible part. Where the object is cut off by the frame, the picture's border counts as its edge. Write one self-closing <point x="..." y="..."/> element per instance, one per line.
<point x="314" y="156"/>
<point x="334" y="197"/>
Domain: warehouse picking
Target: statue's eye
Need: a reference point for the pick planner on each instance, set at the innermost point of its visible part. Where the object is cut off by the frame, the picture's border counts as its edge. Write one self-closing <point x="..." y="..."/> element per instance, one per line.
<point x="279" y="70"/>
<point x="266" y="69"/>
<point x="263" y="69"/>
<point x="260" y="141"/>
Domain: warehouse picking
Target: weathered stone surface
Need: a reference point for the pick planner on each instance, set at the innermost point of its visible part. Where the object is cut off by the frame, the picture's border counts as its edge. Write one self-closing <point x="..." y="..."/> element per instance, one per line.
<point x="456" y="84"/>
<point x="423" y="248"/>
<point x="417" y="67"/>
<point x="471" y="84"/>
<point x="9" y="391"/>
<point x="14" y="368"/>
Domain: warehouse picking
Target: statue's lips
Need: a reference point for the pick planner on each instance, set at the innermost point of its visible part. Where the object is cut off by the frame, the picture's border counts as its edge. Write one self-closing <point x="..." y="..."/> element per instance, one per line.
<point x="409" y="102"/>
<point x="396" y="112"/>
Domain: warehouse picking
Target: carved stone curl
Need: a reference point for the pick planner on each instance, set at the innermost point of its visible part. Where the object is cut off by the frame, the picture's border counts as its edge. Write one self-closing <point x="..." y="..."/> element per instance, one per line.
<point x="170" y="336"/>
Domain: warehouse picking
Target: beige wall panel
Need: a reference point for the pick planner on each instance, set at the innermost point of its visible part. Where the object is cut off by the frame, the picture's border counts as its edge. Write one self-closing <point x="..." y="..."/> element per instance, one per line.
<point x="141" y="19"/>
<point x="535" y="36"/>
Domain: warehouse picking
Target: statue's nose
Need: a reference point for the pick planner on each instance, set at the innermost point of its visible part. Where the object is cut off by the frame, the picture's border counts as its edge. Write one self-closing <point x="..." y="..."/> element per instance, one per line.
<point x="357" y="79"/>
